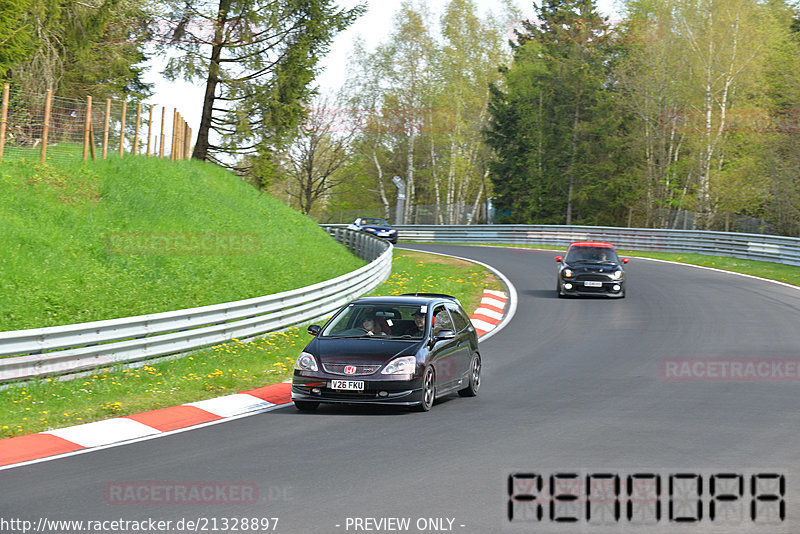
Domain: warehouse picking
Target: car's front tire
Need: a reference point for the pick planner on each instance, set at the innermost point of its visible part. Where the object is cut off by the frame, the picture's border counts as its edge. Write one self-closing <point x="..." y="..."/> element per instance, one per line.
<point x="474" y="378"/>
<point x="428" y="391"/>
<point x="306" y="406"/>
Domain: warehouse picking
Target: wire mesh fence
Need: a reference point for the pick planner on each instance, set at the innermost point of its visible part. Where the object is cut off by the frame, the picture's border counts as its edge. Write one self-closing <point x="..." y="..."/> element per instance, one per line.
<point x="51" y="128"/>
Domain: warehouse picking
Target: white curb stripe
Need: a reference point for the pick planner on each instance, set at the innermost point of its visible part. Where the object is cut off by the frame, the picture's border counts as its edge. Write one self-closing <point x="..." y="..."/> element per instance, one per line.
<point x="482" y="325"/>
<point x="496" y="293"/>
<point x="494" y="302"/>
<point x="104" y="432"/>
<point x="489" y="313"/>
<point x="231" y="405"/>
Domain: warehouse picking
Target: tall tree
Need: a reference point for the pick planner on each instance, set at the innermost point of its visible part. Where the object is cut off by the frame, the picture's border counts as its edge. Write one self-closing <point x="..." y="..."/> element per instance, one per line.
<point x="257" y="59"/>
<point x="421" y="100"/>
<point x="317" y="153"/>
<point x="94" y="47"/>
<point x="556" y="121"/>
<point x="16" y="41"/>
<point x="697" y="82"/>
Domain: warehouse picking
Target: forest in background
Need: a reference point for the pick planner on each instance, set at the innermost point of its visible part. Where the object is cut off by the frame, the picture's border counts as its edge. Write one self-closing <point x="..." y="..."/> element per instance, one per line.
<point x="682" y="114"/>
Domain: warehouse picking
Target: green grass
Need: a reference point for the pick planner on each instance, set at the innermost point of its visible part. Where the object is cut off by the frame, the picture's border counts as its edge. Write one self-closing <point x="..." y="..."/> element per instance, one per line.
<point x="122" y="237"/>
<point x="219" y="370"/>
<point x="425" y="273"/>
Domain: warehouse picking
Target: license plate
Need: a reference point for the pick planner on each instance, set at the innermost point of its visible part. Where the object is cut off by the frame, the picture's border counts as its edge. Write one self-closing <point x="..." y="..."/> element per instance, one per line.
<point x="350" y="385"/>
<point x="592" y="283"/>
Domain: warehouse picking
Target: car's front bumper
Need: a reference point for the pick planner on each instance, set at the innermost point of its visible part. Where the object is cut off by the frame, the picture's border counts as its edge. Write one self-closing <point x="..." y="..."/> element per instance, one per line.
<point x="393" y="392"/>
<point x="607" y="289"/>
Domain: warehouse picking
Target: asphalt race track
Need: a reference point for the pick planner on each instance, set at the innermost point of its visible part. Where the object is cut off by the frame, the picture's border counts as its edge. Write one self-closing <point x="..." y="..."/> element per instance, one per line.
<point x="591" y="387"/>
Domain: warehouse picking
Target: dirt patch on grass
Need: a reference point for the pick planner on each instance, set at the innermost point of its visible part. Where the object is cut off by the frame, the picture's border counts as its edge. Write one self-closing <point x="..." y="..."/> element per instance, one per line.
<point x="432" y="258"/>
<point x="489" y="280"/>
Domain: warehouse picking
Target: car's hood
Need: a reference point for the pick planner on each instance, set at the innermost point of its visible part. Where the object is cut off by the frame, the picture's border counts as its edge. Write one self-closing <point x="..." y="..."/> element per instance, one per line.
<point x="360" y="350"/>
<point x="592" y="267"/>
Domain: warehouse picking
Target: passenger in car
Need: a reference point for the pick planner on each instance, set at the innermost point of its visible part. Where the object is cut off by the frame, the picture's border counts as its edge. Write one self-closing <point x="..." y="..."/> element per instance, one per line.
<point x="417" y="329"/>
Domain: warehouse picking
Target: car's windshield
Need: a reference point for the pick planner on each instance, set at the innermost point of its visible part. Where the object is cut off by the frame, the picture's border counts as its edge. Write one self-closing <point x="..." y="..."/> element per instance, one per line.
<point x="378" y="321"/>
<point x="374" y="221"/>
<point x="592" y="255"/>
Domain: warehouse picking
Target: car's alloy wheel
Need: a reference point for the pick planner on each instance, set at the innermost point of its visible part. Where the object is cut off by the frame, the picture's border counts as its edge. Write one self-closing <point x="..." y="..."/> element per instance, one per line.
<point x="306" y="406"/>
<point x="474" y="378"/>
<point x="428" y="391"/>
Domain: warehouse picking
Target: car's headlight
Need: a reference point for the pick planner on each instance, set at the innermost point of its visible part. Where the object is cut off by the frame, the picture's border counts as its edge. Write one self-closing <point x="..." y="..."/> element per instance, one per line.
<point x="401" y="366"/>
<point x="567" y="273"/>
<point x="617" y="275"/>
<point x="306" y="362"/>
<point x="370" y="230"/>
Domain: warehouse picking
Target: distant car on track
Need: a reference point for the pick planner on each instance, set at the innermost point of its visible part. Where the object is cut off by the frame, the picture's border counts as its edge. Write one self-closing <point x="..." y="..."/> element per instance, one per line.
<point x="591" y="268"/>
<point x="375" y="226"/>
<point x="399" y="350"/>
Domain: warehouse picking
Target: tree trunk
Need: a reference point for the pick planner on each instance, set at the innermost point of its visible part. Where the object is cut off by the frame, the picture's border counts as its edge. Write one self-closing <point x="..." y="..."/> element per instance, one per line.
<point x="202" y="145"/>
<point x="380" y="183"/>
<point x="573" y="157"/>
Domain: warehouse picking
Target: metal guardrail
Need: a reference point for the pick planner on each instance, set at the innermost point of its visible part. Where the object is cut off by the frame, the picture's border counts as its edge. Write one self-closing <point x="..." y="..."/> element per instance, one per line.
<point x="776" y="249"/>
<point x="66" y="349"/>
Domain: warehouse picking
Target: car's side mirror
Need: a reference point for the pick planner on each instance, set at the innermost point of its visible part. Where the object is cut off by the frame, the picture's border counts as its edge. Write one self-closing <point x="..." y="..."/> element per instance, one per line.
<point x="559" y="258"/>
<point x="444" y="334"/>
<point x="625" y="260"/>
<point x="314" y="329"/>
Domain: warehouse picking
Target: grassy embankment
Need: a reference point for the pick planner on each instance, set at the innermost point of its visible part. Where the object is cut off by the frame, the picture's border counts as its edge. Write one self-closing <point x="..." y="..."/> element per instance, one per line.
<point x="61" y="265"/>
<point x="140" y="235"/>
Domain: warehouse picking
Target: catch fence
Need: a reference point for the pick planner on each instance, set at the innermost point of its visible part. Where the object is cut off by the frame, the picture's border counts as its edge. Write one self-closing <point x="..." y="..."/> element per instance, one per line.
<point x="45" y="127"/>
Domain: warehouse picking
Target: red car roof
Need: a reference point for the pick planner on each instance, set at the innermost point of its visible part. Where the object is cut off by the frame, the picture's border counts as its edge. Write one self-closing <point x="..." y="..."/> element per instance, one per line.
<point x="591" y="244"/>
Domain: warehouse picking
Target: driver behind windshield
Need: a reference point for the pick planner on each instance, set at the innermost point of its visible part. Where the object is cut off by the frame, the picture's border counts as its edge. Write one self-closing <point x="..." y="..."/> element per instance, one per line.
<point x="590" y="254"/>
<point x="372" y="326"/>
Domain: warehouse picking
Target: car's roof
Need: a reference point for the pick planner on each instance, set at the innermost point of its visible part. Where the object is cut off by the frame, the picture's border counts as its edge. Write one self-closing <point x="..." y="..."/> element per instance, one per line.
<point x="413" y="300"/>
<point x="591" y="244"/>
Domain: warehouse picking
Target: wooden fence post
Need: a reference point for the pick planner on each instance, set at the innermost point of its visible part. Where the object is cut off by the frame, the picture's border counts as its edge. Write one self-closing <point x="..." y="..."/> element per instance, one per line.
<point x="150" y="130"/>
<point x="188" y="143"/>
<point x="122" y="128"/>
<point x="105" y="128"/>
<point x="86" y="127"/>
<point x="136" y="135"/>
<point x="161" y="141"/>
<point x="4" y="120"/>
<point x="174" y="129"/>
<point x="179" y="153"/>
<point x="48" y="100"/>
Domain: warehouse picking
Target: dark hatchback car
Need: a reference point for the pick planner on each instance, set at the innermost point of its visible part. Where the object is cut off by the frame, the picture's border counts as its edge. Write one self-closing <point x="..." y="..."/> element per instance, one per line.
<point x="399" y="350"/>
<point x="375" y="226"/>
<point x="591" y="268"/>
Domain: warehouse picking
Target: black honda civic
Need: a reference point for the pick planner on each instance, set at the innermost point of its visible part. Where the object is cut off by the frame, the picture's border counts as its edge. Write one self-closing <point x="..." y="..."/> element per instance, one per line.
<point x="400" y="350"/>
<point x="591" y="268"/>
